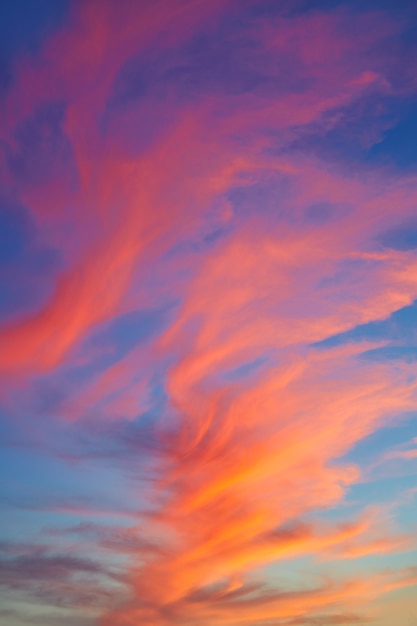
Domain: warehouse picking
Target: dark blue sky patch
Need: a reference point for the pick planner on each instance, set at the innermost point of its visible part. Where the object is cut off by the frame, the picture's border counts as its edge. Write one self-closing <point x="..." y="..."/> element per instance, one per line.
<point x="391" y="353"/>
<point x="16" y="232"/>
<point x="323" y="212"/>
<point x="297" y="7"/>
<point x="218" y="61"/>
<point x="267" y="197"/>
<point x="28" y="268"/>
<point x="44" y="152"/>
<point x="6" y="76"/>
<point x="226" y="58"/>
<point x="232" y="62"/>
<point x="343" y="140"/>
<point x="399" y="143"/>
<point x="24" y="25"/>
<point x="401" y="238"/>
<point x="319" y="212"/>
<point x="294" y="8"/>
<point x="138" y="90"/>
<point x="133" y="81"/>
<point x="350" y="134"/>
<point x="399" y="327"/>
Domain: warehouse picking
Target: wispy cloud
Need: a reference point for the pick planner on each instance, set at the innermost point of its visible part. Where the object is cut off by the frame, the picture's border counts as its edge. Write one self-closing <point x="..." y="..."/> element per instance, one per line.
<point x="61" y="580"/>
<point x="223" y="277"/>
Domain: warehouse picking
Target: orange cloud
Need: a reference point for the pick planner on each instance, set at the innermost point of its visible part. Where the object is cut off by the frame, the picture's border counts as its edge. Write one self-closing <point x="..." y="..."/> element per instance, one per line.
<point x="249" y="457"/>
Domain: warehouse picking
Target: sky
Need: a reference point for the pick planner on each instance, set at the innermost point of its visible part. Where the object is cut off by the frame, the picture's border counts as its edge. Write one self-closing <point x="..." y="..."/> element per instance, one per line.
<point x="208" y="312"/>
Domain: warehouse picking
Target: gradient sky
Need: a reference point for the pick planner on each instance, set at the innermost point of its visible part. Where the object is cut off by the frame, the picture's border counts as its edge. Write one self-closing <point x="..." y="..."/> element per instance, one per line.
<point x="208" y="312"/>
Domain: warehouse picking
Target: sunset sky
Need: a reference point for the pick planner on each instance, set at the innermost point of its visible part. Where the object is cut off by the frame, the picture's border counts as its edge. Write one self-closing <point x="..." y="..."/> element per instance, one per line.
<point x="208" y="312"/>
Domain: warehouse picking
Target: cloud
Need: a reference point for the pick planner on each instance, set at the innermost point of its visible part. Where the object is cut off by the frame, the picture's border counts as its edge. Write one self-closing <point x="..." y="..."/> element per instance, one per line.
<point x="201" y="170"/>
<point x="54" y="579"/>
<point x="15" y="617"/>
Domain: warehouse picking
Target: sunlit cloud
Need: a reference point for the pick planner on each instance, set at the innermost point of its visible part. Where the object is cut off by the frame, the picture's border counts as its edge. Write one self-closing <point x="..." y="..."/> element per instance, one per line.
<point x="209" y="276"/>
